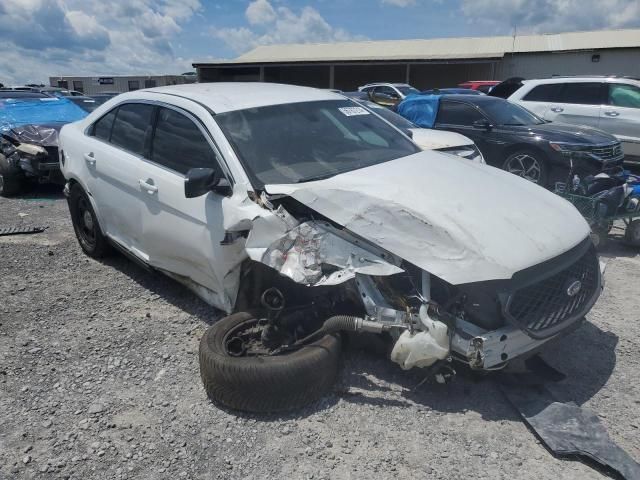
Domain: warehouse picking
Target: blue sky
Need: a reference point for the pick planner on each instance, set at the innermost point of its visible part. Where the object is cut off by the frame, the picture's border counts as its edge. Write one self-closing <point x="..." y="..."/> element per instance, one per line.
<point x="42" y="38"/>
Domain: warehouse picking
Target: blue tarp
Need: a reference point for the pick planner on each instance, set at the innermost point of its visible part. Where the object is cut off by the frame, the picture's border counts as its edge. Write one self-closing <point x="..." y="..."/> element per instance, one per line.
<point x="420" y="109"/>
<point x="38" y="111"/>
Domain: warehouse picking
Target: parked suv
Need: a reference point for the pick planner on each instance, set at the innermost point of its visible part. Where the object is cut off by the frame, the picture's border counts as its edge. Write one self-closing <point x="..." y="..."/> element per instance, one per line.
<point x="316" y="216"/>
<point x="611" y="104"/>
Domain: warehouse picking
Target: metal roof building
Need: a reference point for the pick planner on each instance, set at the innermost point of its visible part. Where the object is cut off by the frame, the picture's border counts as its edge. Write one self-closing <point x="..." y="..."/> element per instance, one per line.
<point x="435" y="62"/>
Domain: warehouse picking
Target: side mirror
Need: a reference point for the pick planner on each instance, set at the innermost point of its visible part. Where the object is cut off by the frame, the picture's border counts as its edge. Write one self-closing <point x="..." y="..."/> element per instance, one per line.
<point x="483" y="124"/>
<point x="199" y="181"/>
<point x="407" y="132"/>
<point x="384" y="99"/>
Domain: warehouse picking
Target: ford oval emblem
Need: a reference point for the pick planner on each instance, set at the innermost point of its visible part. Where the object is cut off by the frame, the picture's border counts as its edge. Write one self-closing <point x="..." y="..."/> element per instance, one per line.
<point x="574" y="288"/>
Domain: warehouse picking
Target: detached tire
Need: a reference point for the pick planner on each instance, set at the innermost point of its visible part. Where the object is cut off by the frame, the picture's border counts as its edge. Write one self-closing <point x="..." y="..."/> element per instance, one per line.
<point x="10" y="179"/>
<point x="265" y="383"/>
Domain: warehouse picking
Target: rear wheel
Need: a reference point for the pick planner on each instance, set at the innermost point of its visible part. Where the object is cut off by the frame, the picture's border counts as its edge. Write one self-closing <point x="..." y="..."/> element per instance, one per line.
<point x="11" y="179"/>
<point x="238" y="372"/>
<point x="85" y="224"/>
<point x="529" y="165"/>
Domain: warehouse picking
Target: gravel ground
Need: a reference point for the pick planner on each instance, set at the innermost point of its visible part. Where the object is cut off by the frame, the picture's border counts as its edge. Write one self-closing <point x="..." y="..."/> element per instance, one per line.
<point x="99" y="380"/>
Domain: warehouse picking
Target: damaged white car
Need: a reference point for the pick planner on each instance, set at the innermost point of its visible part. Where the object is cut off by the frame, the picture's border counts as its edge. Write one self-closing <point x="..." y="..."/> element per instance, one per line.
<point x="303" y="215"/>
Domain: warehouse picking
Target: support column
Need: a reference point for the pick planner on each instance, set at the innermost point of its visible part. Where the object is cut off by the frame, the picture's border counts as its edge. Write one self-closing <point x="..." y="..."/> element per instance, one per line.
<point x="262" y="74"/>
<point x="408" y="74"/>
<point x="332" y="75"/>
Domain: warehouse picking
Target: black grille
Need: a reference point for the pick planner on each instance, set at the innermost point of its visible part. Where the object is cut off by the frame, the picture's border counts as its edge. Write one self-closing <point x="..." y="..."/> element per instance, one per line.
<point x="544" y="307"/>
<point x="608" y="153"/>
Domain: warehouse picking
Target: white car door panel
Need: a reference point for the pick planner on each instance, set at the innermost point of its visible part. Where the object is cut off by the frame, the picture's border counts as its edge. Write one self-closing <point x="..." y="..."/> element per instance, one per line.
<point x="182" y="235"/>
<point x="112" y="155"/>
<point x="621" y="116"/>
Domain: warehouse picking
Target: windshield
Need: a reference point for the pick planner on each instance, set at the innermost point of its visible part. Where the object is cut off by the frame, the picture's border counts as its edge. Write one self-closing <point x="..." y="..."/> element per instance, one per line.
<point x="407" y="90"/>
<point x="301" y="142"/>
<point x="507" y="113"/>
<point x="391" y="117"/>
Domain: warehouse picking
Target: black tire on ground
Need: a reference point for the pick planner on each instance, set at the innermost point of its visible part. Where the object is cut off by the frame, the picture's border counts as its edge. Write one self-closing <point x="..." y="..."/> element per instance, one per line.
<point x="265" y="383"/>
<point x="528" y="164"/>
<point x="11" y="179"/>
<point x="85" y="224"/>
<point x="632" y="233"/>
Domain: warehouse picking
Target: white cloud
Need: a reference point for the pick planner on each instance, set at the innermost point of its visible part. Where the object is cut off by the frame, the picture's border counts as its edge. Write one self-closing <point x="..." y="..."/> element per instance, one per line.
<point x="260" y="12"/>
<point x="399" y="3"/>
<point x="285" y="26"/>
<point x="43" y="38"/>
<point x="548" y="16"/>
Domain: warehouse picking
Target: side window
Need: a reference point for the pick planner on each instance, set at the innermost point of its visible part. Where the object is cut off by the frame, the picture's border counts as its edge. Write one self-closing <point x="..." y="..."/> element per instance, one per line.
<point x="102" y="128"/>
<point x="623" y="95"/>
<point x="367" y="89"/>
<point x="387" y="91"/>
<point x="544" y="93"/>
<point x="130" y="128"/>
<point x="582" y="93"/>
<point x="179" y="144"/>
<point x="456" y="113"/>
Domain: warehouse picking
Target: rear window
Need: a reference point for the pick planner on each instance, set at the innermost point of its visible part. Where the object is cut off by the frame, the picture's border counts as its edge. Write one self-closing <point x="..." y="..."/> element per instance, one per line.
<point x="132" y="123"/>
<point x="582" y="93"/>
<point x="544" y="93"/>
<point x="623" y="95"/>
<point x="456" y="113"/>
<point x="102" y="128"/>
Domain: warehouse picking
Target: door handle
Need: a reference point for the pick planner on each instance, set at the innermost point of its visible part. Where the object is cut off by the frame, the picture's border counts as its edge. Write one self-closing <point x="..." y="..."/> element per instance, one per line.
<point x="557" y="109"/>
<point x="151" y="189"/>
<point x="89" y="158"/>
<point x="612" y="114"/>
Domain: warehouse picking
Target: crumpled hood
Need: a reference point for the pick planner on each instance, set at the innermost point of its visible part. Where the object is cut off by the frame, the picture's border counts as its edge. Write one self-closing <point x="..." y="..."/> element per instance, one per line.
<point x="461" y="221"/>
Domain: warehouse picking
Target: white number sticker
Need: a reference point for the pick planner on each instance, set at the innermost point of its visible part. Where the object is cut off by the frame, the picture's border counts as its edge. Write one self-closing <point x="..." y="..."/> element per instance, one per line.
<point x="353" y="111"/>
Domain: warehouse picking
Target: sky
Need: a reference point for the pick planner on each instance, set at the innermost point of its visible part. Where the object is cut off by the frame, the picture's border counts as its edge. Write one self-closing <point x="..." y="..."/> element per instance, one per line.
<point x="42" y="38"/>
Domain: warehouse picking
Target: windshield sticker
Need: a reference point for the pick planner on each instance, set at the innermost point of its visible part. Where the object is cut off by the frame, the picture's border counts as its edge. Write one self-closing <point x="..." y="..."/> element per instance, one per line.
<point x="353" y="111"/>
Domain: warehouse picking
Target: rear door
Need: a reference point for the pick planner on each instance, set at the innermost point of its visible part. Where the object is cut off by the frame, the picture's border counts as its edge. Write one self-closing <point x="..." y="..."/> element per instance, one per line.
<point x="541" y="97"/>
<point x="621" y="116"/>
<point x="579" y="103"/>
<point x="184" y="236"/>
<point x="113" y="158"/>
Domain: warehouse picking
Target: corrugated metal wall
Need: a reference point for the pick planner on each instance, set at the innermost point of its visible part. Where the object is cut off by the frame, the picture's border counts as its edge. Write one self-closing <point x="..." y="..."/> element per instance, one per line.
<point x="534" y="65"/>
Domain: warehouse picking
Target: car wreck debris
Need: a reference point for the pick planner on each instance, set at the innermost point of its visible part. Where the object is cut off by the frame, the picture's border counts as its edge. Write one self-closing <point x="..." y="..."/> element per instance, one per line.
<point x="20" y="230"/>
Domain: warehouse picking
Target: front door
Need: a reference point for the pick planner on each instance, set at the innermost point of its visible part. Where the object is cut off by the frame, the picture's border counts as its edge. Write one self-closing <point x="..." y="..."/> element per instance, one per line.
<point x="184" y="236"/>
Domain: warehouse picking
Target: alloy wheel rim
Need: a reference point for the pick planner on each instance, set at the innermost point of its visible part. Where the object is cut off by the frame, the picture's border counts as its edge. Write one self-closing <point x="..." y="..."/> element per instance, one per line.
<point x="525" y="166"/>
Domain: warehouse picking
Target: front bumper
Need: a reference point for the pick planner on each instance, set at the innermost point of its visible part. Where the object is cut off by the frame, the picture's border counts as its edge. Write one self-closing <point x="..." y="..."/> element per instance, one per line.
<point x="490" y="350"/>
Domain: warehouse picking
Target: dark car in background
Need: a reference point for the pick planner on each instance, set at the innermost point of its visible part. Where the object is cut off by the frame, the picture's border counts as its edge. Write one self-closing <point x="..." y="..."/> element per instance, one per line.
<point x="451" y="91"/>
<point x="512" y="138"/>
<point x="484" y="86"/>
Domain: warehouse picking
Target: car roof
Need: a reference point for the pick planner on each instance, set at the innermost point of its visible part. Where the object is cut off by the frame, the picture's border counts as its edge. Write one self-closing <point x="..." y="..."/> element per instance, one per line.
<point x="583" y="78"/>
<point x="225" y="97"/>
<point x="475" y="99"/>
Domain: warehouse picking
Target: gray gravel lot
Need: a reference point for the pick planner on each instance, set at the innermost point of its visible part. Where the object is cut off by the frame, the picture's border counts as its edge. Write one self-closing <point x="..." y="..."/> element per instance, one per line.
<point x="99" y="379"/>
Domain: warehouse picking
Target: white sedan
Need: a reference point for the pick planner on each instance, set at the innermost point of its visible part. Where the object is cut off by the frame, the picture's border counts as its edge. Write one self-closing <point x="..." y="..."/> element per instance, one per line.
<point x="316" y="216"/>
